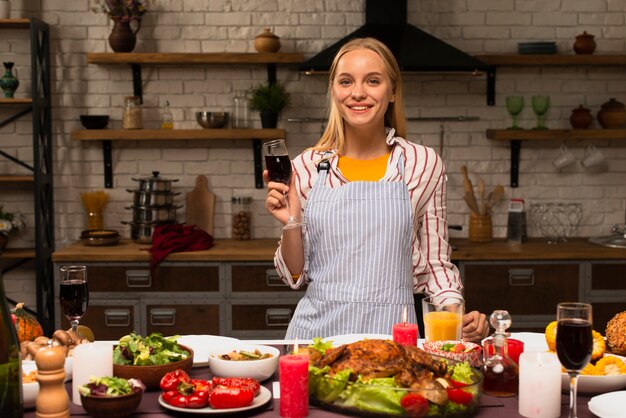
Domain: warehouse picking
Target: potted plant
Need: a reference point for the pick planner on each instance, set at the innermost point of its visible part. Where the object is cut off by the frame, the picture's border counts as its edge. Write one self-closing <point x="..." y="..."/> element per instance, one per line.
<point x="123" y="13"/>
<point x="10" y="224"/>
<point x="269" y="99"/>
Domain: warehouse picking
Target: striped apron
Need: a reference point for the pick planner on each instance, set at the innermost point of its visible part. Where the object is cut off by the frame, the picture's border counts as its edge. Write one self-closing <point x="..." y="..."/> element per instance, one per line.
<point x="358" y="259"/>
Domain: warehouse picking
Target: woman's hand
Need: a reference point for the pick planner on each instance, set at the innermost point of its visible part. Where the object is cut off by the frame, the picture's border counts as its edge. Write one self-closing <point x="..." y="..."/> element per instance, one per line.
<point x="276" y="204"/>
<point x="475" y="326"/>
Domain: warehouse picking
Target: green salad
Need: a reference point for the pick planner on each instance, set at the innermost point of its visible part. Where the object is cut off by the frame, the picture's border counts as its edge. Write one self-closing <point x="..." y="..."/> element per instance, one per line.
<point x="385" y="396"/>
<point x="152" y="350"/>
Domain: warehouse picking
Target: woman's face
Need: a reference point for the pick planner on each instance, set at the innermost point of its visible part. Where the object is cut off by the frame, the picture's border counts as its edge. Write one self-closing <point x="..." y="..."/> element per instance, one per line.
<point x="362" y="89"/>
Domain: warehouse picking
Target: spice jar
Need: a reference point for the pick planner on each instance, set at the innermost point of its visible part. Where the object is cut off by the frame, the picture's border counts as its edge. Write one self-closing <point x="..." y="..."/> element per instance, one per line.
<point x="242" y="218"/>
<point x="133" y="118"/>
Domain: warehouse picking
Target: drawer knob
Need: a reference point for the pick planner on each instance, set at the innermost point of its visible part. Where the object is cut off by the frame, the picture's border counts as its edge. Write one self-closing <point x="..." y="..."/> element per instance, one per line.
<point x="521" y="277"/>
<point x="164" y="317"/>
<point x="277" y="317"/>
<point x="272" y="279"/>
<point x="138" y="278"/>
<point x="117" y="317"/>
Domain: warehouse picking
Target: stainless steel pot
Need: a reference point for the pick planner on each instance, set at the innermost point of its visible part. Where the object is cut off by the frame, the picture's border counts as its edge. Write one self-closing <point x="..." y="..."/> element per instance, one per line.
<point x="141" y="232"/>
<point x="155" y="183"/>
<point x="141" y="198"/>
<point x="154" y="214"/>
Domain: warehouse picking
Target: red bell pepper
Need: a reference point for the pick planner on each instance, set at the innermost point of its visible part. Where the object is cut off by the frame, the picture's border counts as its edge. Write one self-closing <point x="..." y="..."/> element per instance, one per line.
<point x="192" y="394"/>
<point x="415" y="405"/>
<point x="222" y="397"/>
<point x="171" y="380"/>
<point x="238" y="382"/>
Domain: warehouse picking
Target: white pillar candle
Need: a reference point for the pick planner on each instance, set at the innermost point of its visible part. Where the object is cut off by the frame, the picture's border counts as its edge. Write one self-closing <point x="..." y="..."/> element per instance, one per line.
<point x="92" y="359"/>
<point x="539" y="385"/>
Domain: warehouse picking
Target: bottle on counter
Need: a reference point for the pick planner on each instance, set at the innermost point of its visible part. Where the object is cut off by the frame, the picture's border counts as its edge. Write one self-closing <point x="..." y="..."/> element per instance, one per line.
<point x="241" y="109"/>
<point x="133" y="117"/>
<point x="516" y="226"/>
<point x="500" y="372"/>
<point x="242" y="218"/>
<point x="11" y="400"/>
<point x="167" y="119"/>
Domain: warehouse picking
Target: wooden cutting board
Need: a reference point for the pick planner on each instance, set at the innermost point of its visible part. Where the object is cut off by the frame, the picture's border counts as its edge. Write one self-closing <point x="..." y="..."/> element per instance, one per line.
<point x="201" y="205"/>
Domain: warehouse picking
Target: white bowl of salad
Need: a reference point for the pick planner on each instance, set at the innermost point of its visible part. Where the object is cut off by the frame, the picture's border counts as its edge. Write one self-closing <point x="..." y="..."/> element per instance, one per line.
<point x="256" y="361"/>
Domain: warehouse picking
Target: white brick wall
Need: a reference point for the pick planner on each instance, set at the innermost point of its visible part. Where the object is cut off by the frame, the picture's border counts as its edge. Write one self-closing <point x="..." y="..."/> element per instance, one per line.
<point x="477" y="26"/>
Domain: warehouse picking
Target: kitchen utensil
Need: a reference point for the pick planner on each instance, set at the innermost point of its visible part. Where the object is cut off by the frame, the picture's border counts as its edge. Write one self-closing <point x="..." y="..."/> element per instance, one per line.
<point x="154" y="214"/>
<point x="471" y="204"/>
<point x="481" y="192"/>
<point x="565" y="158"/>
<point x="593" y="158"/>
<point x="469" y="197"/>
<point x="212" y="120"/>
<point x="556" y="221"/>
<point x="94" y="121"/>
<point x="480" y="228"/>
<point x="155" y="183"/>
<point x="141" y="232"/>
<point x="141" y="198"/>
<point x="200" y="206"/>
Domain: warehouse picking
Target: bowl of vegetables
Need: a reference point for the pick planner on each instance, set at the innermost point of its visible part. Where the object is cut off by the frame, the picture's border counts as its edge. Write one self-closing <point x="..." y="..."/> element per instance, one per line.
<point x="105" y="397"/>
<point x="149" y="359"/>
<point x="456" y="350"/>
<point x="256" y="361"/>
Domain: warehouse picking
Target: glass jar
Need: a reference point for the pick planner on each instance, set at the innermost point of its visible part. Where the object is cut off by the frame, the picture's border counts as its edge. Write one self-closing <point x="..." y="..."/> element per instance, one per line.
<point x="133" y="118"/>
<point x="241" y="106"/>
<point x="242" y="218"/>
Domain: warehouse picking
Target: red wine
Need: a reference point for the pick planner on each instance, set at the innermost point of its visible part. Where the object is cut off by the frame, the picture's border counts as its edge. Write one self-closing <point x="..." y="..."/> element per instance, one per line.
<point x="574" y="343"/>
<point x="74" y="297"/>
<point x="279" y="168"/>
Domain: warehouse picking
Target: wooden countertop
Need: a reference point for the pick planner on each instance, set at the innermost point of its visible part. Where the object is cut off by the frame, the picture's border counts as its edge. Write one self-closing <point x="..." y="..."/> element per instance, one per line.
<point x="263" y="250"/>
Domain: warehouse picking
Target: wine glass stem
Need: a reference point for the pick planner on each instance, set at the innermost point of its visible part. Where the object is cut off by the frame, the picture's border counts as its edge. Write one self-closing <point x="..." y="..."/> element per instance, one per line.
<point x="573" y="386"/>
<point x="74" y="323"/>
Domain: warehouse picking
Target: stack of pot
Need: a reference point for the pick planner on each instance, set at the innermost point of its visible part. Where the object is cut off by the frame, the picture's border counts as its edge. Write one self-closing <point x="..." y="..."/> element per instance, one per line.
<point x="153" y="205"/>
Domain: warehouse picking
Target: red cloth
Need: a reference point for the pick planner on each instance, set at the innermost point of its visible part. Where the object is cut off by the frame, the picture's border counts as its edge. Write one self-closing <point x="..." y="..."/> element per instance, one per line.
<point x="177" y="238"/>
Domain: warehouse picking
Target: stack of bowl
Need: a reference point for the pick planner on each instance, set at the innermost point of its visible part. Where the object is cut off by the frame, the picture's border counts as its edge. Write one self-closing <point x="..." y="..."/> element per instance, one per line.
<point x="153" y="205"/>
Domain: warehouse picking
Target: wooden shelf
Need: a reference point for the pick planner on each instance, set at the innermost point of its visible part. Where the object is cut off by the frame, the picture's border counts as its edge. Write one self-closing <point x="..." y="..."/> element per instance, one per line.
<point x="24" y="101"/>
<point x="552" y="60"/>
<point x="193" y="58"/>
<point x="14" y="23"/>
<point x="554" y="134"/>
<point x="174" y="134"/>
<point x="8" y="180"/>
<point x="17" y="253"/>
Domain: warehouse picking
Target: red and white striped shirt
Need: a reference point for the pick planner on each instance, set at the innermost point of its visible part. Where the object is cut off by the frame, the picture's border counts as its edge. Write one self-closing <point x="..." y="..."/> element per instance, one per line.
<point x="433" y="272"/>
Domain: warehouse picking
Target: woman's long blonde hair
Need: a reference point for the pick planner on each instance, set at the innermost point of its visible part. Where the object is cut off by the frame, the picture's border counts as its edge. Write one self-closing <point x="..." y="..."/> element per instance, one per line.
<point x="333" y="136"/>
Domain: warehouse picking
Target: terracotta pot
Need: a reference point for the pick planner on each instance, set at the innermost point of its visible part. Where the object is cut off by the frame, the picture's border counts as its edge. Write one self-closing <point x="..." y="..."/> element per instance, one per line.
<point x="581" y="118"/>
<point x="612" y="115"/>
<point x="585" y="44"/>
<point x="266" y="41"/>
<point x="122" y="37"/>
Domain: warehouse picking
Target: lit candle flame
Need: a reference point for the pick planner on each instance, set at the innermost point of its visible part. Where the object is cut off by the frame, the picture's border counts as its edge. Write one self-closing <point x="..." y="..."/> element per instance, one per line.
<point x="405" y="314"/>
<point x="295" y="347"/>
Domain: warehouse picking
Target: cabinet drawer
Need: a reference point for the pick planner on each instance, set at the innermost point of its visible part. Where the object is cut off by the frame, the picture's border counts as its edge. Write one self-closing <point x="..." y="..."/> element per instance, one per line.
<point x="184" y="318"/>
<point x="261" y="316"/>
<point x="603" y="312"/>
<point x="529" y="289"/>
<point x="257" y="278"/>
<point x="118" y="278"/>
<point x="608" y="276"/>
<point x="110" y="319"/>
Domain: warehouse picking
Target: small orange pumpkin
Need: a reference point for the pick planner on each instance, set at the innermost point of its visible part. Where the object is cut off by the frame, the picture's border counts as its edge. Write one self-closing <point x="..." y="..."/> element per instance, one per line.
<point x="26" y="326"/>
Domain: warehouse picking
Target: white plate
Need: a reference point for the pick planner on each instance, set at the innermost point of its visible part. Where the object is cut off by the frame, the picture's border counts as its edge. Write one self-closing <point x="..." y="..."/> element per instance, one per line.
<point x="533" y="341"/>
<point x="202" y="345"/>
<point x="261" y="399"/>
<point x="29" y="390"/>
<point x="609" y="405"/>
<point x="338" y="340"/>
<point x="29" y="365"/>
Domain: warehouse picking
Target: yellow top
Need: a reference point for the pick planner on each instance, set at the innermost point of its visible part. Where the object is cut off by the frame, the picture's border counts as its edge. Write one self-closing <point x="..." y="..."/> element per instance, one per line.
<point x="363" y="170"/>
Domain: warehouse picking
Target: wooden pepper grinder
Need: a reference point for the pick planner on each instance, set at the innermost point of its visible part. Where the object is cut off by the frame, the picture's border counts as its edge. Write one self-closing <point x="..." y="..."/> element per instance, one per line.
<point x="52" y="400"/>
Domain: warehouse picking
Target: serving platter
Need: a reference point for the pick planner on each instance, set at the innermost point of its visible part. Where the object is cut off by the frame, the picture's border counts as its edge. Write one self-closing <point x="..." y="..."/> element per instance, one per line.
<point x="203" y="345"/>
<point x="338" y="340"/>
<point x="261" y="399"/>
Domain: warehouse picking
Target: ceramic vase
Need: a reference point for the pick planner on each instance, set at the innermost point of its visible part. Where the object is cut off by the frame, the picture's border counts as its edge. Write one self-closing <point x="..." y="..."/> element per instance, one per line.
<point x="612" y="115"/>
<point x="9" y="82"/>
<point x="581" y="118"/>
<point x="266" y="41"/>
<point x="122" y="37"/>
<point x="584" y="44"/>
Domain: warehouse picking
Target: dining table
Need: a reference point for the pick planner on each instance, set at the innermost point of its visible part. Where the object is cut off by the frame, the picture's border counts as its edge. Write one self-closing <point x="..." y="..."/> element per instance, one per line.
<point x="490" y="406"/>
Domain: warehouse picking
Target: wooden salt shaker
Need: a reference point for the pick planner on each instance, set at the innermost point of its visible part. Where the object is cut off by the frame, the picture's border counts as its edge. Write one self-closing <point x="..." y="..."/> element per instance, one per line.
<point x="52" y="400"/>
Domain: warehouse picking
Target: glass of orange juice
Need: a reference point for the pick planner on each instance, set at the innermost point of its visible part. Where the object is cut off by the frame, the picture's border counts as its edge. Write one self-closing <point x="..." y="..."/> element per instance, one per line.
<point x="443" y="321"/>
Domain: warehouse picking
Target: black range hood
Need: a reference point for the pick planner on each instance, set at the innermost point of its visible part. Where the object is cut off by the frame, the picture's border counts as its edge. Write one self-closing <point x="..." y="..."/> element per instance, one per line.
<point x="414" y="49"/>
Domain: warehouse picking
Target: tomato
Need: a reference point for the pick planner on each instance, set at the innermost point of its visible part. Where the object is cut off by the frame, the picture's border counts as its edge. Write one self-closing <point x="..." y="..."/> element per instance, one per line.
<point x="460" y="396"/>
<point x="458" y="348"/>
<point x="415" y="405"/>
<point x="222" y="397"/>
<point x="457" y="384"/>
<point x="238" y="382"/>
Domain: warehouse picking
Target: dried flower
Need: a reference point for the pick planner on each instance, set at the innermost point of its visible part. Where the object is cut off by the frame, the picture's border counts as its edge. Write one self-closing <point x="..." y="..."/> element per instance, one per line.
<point x="11" y="223"/>
<point x="123" y="10"/>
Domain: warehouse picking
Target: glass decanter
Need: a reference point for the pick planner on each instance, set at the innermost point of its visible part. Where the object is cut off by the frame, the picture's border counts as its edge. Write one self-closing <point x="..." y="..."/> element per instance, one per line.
<point x="501" y="374"/>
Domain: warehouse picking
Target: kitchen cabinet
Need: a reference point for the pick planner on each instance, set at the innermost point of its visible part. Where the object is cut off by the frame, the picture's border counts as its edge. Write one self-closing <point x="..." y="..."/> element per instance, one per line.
<point x="40" y="182"/>
<point x="136" y="60"/>
<point x="517" y="136"/>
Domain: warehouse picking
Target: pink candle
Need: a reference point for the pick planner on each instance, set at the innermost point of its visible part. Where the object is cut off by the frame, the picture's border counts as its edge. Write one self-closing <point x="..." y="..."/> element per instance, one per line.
<point x="294" y="386"/>
<point x="405" y="333"/>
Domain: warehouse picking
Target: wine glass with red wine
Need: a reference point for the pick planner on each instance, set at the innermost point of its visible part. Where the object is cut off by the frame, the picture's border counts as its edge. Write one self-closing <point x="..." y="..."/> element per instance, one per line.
<point x="574" y="343"/>
<point x="278" y="166"/>
<point x="74" y="293"/>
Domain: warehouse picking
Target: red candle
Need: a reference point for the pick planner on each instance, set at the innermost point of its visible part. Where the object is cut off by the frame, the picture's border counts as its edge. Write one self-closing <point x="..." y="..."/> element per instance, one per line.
<point x="405" y="333"/>
<point x="294" y="386"/>
<point x="514" y="348"/>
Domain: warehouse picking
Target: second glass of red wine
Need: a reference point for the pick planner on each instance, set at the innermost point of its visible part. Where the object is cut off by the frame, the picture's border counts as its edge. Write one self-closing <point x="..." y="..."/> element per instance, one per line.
<point x="74" y="293"/>
<point x="574" y="343"/>
<point x="278" y="166"/>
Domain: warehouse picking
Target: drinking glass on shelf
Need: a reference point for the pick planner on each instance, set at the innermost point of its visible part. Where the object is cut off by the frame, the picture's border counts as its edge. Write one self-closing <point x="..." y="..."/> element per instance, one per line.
<point x="540" y="105"/>
<point x="278" y="166"/>
<point x="514" y="105"/>
<point x="74" y="293"/>
<point x="574" y="343"/>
